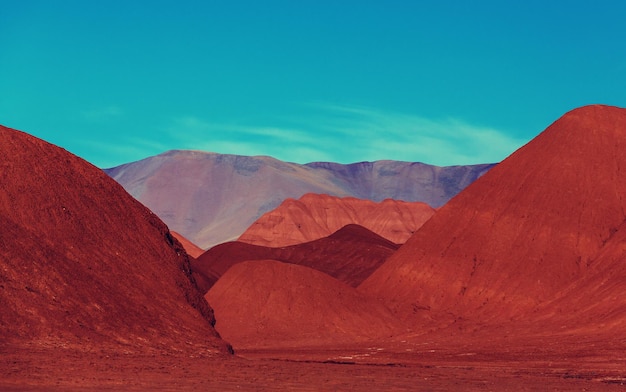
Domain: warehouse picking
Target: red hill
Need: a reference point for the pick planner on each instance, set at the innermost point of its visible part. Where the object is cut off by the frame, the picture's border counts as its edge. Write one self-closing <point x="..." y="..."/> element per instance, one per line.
<point x="271" y="304"/>
<point x="84" y="265"/>
<point x="596" y="303"/>
<point x="524" y="232"/>
<point x="315" y="216"/>
<point x="350" y="255"/>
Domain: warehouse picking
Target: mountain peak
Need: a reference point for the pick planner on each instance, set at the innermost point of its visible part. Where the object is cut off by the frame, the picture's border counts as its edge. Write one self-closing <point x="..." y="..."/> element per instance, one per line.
<point x="523" y="231"/>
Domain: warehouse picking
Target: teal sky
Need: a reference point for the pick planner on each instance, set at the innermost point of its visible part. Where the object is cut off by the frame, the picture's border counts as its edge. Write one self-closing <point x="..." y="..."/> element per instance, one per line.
<point x="441" y="82"/>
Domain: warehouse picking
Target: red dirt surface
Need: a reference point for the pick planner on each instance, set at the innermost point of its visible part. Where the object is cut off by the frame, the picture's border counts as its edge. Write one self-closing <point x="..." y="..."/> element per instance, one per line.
<point x="350" y="255"/>
<point x="443" y="371"/>
<point x="84" y="265"/>
<point x="315" y="216"/>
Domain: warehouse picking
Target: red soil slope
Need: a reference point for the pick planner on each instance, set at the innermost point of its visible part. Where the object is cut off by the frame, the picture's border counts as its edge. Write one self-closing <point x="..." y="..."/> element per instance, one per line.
<point x="596" y="302"/>
<point x="350" y="255"/>
<point x="524" y="232"/>
<point x="192" y="249"/>
<point x="315" y="216"/>
<point x="84" y="265"/>
<point x="267" y="303"/>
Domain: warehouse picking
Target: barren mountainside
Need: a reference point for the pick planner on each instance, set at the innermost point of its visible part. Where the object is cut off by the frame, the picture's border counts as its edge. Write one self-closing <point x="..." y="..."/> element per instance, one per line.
<point x="84" y="265"/>
<point x="213" y="198"/>
<point x="518" y="283"/>
<point x="539" y="226"/>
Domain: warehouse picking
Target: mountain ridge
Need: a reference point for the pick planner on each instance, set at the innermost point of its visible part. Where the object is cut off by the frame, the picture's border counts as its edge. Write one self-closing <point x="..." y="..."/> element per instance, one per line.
<point x="211" y="198"/>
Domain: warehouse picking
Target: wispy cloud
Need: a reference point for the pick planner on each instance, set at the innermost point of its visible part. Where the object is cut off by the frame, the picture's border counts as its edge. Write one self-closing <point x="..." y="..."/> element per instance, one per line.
<point x="349" y="134"/>
<point x="102" y="113"/>
<point x="289" y="144"/>
<point x="118" y="150"/>
<point x="447" y="141"/>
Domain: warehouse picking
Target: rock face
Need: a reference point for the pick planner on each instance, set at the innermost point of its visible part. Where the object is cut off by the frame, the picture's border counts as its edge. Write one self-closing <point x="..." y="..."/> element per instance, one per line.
<point x="541" y="225"/>
<point x="349" y="255"/>
<point x="315" y="216"/>
<point x="212" y="198"/>
<point x="84" y="265"/>
<point x="267" y="303"/>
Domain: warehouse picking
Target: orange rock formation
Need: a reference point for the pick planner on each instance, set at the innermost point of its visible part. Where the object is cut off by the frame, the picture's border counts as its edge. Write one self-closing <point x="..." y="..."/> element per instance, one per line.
<point x="315" y="216"/>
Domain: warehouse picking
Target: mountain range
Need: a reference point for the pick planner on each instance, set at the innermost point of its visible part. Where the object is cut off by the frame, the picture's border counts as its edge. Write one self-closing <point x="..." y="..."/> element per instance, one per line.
<point x="212" y="198"/>
<point x="517" y="283"/>
<point x="532" y="249"/>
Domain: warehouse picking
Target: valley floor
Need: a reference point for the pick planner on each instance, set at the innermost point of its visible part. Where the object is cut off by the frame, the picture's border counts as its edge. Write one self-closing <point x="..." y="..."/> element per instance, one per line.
<point x="361" y="369"/>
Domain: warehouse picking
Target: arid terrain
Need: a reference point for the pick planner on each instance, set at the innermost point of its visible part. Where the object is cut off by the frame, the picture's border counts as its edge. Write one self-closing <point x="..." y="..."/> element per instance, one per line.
<point x="518" y="283"/>
<point x="350" y="255"/>
<point x="316" y="216"/>
<point x="213" y="198"/>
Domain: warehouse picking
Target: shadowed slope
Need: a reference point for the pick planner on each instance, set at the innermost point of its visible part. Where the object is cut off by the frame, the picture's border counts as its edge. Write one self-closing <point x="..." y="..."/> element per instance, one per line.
<point x="350" y="255"/>
<point x="316" y="216"/>
<point x="83" y="264"/>
<point x="192" y="249"/>
<point x="212" y="198"/>
<point x="267" y="303"/>
<point x="523" y="232"/>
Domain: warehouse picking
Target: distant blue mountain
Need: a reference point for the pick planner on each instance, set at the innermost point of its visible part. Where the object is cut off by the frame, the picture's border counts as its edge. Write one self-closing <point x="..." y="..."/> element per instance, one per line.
<point x="211" y="198"/>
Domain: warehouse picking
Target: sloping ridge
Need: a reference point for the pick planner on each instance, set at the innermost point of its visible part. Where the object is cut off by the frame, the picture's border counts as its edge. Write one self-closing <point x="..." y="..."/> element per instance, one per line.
<point x="84" y="265"/>
<point x="212" y="198"/>
<point x="316" y="216"/>
<point x="267" y="303"/>
<point x="522" y="233"/>
<point x="350" y="255"/>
